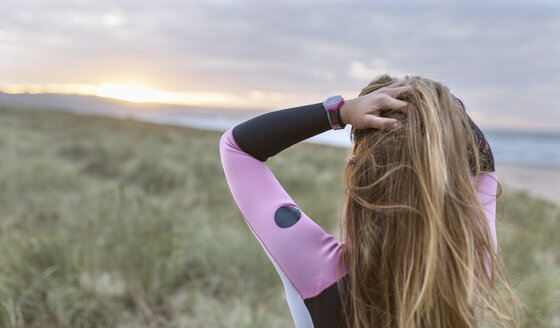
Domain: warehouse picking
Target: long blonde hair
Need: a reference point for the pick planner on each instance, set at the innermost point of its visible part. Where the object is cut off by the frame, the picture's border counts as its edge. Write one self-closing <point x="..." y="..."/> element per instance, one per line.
<point x="418" y="246"/>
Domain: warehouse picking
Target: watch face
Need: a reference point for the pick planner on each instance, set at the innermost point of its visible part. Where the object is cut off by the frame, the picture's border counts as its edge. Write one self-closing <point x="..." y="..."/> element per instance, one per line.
<point x="333" y="101"/>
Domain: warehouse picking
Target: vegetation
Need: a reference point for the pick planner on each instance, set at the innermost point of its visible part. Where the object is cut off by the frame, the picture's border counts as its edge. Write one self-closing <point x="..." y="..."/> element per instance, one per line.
<point x="116" y="223"/>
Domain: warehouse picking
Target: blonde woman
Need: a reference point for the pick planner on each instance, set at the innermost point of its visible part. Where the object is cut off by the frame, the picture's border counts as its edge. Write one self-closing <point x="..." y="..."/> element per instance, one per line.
<point x="419" y="242"/>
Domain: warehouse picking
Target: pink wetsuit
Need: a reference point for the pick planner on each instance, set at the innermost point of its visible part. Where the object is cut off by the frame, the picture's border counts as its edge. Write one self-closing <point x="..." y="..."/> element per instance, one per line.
<point x="305" y="256"/>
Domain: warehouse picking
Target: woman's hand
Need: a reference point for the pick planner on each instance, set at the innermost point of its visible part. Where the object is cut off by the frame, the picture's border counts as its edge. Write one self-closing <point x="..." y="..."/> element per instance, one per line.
<point x="363" y="112"/>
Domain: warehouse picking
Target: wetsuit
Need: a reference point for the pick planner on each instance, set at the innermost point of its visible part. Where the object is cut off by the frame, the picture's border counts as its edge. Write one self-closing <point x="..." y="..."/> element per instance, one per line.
<point x="305" y="256"/>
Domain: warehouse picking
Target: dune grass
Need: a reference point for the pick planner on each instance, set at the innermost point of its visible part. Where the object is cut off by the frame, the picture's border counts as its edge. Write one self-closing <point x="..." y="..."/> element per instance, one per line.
<point x="112" y="223"/>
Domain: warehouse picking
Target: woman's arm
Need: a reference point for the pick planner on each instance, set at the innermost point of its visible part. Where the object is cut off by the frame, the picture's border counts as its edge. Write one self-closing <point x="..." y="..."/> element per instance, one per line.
<point x="302" y="252"/>
<point x="267" y="135"/>
<point x="304" y="255"/>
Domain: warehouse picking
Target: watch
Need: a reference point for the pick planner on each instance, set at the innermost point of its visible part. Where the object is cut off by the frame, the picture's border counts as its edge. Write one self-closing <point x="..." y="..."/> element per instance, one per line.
<point x="332" y="107"/>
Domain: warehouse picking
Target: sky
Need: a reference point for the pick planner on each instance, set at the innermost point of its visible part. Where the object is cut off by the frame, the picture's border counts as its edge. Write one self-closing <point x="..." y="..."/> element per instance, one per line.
<point x="502" y="58"/>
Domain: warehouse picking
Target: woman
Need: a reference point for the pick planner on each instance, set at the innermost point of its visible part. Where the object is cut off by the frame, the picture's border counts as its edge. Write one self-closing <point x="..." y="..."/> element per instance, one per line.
<point x="419" y="233"/>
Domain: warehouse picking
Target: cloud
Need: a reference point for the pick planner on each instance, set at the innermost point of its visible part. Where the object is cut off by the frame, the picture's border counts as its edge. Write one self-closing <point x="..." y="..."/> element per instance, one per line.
<point x="289" y="47"/>
<point x="377" y="66"/>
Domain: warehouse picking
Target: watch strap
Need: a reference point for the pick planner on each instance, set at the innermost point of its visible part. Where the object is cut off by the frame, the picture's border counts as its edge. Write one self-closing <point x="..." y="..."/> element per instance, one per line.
<point x="332" y="106"/>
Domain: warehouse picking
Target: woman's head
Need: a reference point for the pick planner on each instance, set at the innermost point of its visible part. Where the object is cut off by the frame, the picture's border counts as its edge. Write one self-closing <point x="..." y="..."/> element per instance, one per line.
<point x="436" y="119"/>
<point x="419" y="249"/>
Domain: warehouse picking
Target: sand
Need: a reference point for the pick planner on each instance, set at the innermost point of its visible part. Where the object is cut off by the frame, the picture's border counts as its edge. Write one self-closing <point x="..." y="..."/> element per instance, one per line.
<point x="539" y="182"/>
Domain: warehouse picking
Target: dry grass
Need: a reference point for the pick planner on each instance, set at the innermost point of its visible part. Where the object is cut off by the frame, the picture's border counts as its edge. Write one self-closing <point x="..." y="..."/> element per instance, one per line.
<point x="108" y="223"/>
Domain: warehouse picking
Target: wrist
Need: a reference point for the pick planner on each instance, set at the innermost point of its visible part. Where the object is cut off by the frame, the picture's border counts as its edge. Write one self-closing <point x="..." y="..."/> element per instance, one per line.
<point x="345" y="111"/>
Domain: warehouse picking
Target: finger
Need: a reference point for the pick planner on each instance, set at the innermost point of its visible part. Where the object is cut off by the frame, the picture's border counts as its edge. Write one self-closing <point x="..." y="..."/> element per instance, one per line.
<point x="393" y="85"/>
<point x="400" y="91"/>
<point x="395" y="104"/>
<point x="381" y="123"/>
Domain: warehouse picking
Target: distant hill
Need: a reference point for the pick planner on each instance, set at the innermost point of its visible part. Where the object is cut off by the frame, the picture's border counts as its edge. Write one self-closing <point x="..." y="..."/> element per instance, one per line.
<point x="93" y="105"/>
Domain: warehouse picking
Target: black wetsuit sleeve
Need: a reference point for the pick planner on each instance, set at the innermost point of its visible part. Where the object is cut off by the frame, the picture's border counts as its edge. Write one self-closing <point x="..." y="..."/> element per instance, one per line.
<point x="266" y="135"/>
<point x="486" y="158"/>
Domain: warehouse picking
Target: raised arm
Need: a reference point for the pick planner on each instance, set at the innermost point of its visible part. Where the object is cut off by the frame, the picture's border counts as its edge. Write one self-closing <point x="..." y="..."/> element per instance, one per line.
<point x="305" y="256"/>
<point x="266" y="135"/>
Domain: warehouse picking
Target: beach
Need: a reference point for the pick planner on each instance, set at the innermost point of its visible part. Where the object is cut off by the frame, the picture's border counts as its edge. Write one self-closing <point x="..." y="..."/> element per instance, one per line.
<point x="538" y="182"/>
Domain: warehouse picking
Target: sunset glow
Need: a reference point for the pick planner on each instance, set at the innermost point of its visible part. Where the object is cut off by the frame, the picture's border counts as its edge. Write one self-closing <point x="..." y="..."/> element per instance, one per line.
<point x="136" y="94"/>
<point x="141" y="94"/>
<point x="130" y="93"/>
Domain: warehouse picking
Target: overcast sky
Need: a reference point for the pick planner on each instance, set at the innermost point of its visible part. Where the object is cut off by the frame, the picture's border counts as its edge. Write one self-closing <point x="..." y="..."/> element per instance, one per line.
<point x="501" y="57"/>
